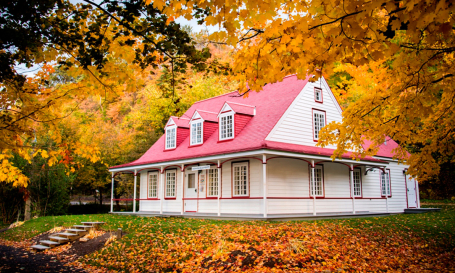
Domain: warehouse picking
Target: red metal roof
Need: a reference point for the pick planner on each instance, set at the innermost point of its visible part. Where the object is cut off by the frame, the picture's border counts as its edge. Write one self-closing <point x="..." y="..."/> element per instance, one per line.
<point x="385" y="150"/>
<point x="271" y="104"/>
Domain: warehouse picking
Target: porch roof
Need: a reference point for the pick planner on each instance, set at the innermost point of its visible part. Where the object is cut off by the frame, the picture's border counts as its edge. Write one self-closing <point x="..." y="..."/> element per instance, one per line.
<point x="265" y="145"/>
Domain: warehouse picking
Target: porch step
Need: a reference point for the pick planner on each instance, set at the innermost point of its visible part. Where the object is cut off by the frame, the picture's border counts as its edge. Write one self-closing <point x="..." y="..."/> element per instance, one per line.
<point x="58" y="239"/>
<point x="93" y="223"/>
<point x="67" y="234"/>
<point x="421" y="210"/>
<point x="86" y="227"/>
<point x="49" y="243"/>
<point x="71" y="234"/>
<point x="77" y="231"/>
<point x="40" y="247"/>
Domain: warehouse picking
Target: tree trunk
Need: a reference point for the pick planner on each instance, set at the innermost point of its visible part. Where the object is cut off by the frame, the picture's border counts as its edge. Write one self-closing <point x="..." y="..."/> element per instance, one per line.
<point x="28" y="204"/>
<point x="101" y="198"/>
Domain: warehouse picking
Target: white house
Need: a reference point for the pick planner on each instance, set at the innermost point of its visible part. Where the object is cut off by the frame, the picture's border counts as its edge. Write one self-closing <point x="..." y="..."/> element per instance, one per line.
<point x="257" y="157"/>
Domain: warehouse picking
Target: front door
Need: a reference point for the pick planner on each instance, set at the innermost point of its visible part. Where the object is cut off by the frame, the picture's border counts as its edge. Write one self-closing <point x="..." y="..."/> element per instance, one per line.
<point x="191" y="191"/>
<point x="411" y="190"/>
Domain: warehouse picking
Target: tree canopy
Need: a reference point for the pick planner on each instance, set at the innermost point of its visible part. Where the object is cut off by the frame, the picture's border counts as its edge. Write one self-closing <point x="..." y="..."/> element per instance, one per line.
<point x="100" y="49"/>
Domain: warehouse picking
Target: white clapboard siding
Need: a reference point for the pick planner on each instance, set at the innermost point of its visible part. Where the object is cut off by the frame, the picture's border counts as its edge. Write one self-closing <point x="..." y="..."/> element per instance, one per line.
<point x="397" y="203"/>
<point x="296" y="125"/>
<point x="290" y="206"/>
<point x="242" y="206"/>
<point x="371" y="183"/>
<point x="208" y="206"/>
<point x="287" y="178"/>
<point x="336" y="180"/>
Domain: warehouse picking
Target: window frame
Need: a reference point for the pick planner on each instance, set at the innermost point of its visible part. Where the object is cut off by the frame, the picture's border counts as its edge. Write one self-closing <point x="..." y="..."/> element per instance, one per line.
<point x="387" y="171"/>
<point x="313" y="112"/>
<point x="316" y="90"/>
<point x="173" y="127"/>
<point x="322" y="181"/>
<point x="241" y="164"/>
<point x="220" y="134"/>
<point x="360" y="183"/>
<point x="197" y="122"/>
<point x="166" y="196"/>
<point x="215" y="170"/>
<point x="157" y="184"/>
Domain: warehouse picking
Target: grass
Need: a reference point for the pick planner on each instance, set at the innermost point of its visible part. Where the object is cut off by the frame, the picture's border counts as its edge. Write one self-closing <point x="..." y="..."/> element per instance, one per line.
<point x="435" y="229"/>
<point x="438" y="227"/>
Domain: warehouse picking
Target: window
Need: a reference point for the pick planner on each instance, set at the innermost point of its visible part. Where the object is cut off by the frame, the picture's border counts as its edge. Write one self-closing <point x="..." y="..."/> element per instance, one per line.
<point x="240" y="177"/>
<point x="227" y="127"/>
<point x="385" y="183"/>
<point x="153" y="185"/>
<point x="191" y="181"/>
<point x="196" y="133"/>
<point x="170" y="183"/>
<point x="357" y="183"/>
<point x="318" y="122"/>
<point x="318" y="94"/>
<point x="170" y="138"/>
<point x="317" y="191"/>
<point x="212" y="182"/>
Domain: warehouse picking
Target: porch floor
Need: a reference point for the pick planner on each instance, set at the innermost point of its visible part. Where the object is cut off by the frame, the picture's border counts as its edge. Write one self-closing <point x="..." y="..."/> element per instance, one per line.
<point x="260" y="217"/>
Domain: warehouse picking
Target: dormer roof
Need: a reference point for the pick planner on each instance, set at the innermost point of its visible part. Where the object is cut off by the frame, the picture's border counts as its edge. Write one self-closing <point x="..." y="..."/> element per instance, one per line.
<point x="205" y="115"/>
<point x="238" y="108"/>
<point x="180" y="122"/>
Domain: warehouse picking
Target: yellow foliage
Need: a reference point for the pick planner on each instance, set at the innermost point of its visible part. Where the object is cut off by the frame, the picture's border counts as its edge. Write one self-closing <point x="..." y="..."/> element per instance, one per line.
<point x="403" y="49"/>
<point x="10" y="173"/>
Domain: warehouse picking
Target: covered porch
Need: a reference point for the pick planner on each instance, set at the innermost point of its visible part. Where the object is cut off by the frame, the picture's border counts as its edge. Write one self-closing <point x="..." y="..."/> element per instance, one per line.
<point x="261" y="184"/>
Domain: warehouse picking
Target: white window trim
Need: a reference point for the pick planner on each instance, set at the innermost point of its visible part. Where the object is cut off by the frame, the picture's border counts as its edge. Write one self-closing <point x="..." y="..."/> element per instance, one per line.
<point x="148" y="184"/>
<point x="175" y="184"/>
<point x="314" y="125"/>
<point x="166" y="138"/>
<point x="389" y="188"/>
<point x="215" y="169"/>
<point x="360" y="183"/>
<point x="241" y="164"/>
<point x="233" y="125"/>
<point x="202" y="132"/>
<point x="317" y="89"/>
<point x="322" y="180"/>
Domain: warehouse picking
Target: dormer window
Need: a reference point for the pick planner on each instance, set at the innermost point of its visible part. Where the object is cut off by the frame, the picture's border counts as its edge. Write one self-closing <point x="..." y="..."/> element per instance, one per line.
<point x="196" y="132"/>
<point x="226" y="126"/>
<point x="171" y="138"/>
<point x="318" y="94"/>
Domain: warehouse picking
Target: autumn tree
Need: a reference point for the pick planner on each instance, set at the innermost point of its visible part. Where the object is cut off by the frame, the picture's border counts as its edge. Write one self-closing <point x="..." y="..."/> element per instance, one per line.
<point x="106" y="47"/>
<point x="407" y="46"/>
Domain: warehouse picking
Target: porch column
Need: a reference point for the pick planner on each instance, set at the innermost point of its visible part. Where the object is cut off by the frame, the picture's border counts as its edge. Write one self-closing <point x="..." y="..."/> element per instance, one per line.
<point x="183" y="188"/>
<point x="134" y="191"/>
<point x="385" y="190"/>
<point x="314" y="187"/>
<point x="417" y="192"/>
<point x="219" y="187"/>
<point x="162" y="189"/>
<point x="264" y="182"/>
<point x="112" y="194"/>
<point x="351" y="171"/>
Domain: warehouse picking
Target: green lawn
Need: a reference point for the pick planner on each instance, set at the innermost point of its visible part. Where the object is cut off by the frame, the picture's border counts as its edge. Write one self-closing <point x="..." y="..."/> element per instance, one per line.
<point x="166" y="243"/>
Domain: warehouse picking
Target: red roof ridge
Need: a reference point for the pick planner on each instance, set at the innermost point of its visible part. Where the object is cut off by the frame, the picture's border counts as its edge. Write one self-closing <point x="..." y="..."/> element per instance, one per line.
<point x="240" y="104"/>
<point x="206" y="111"/>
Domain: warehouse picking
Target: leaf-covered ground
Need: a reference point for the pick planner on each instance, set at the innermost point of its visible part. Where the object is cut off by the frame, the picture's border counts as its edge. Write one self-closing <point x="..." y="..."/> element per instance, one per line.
<point x="404" y="242"/>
